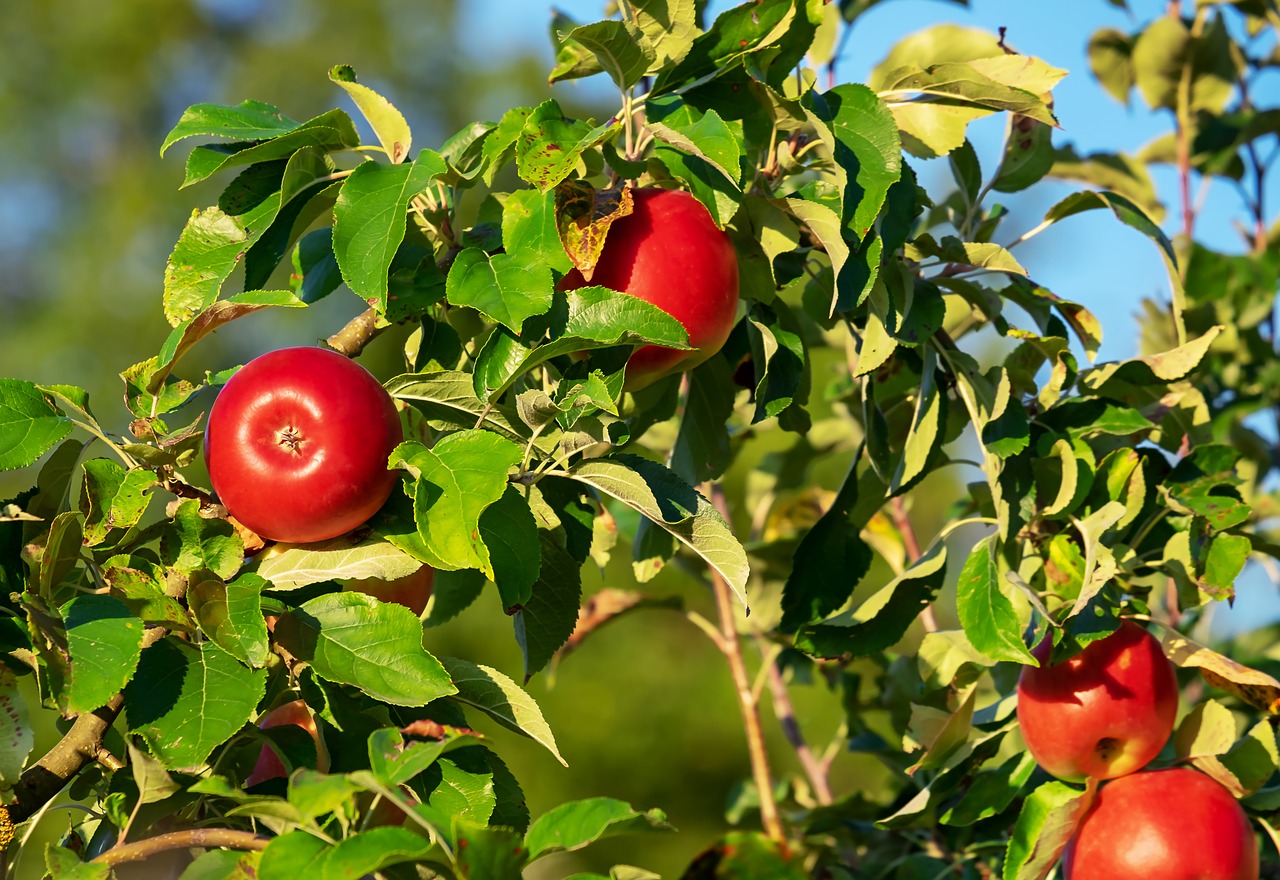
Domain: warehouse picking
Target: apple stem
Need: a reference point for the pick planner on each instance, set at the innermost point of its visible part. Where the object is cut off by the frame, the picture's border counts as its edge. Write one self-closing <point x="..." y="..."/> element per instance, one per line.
<point x="730" y="645"/>
<point x="202" y="838"/>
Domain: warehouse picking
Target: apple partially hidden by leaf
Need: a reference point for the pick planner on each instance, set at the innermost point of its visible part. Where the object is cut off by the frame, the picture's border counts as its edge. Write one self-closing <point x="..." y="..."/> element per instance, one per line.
<point x="670" y="253"/>
<point x="1103" y="713"/>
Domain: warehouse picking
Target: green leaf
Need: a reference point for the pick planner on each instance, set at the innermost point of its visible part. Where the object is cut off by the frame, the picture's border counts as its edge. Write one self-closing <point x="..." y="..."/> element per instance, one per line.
<point x="828" y="562"/>
<point x="824" y="224"/>
<point x="925" y="435"/>
<point x="502" y="700"/>
<point x="577" y="824"/>
<point x="509" y="531"/>
<point x="1223" y="562"/>
<point x="701" y="450"/>
<point x="782" y="362"/>
<point x="740" y="31"/>
<point x="549" y="145"/>
<point x="207" y="251"/>
<point x="387" y="122"/>
<point x="489" y="853"/>
<point x="878" y="623"/>
<point x="456" y="480"/>
<point x="113" y="498"/>
<point x="61" y="554"/>
<point x="548" y="617"/>
<point x="1208" y="730"/>
<point x="369" y="221"/>
<point x="1045" y="825"/>
<point x="618" y="48"/>
<point x="185" y="701"/>
<point x="193" y="542"/>
<point x="315" y="268"/>
<point x="673" y="505"/>
<point x="1028" y="155"/>
<point x="530" y="232"/>
<point x="297" y="565"/>
<point x="669" y="26"/>
<point x="991" y="791"/>
<point x="351" y="638"/>
<point x="461" y="785"/>
<point x="987" y="615"/>
<point x="230" y="613"/>
<point x="1111" y="59"/>
<point x="104" y="640"/>
<point x="246" y="121"/>
<point x="328" y="132"/>
<point x="145" y="597"/>
<point x="30" y="424"/>
<point x="867" y="147"/>
<point x="979" y="255"/>
<point x="17" y="736"/>
<point x="449" y="396"/>
<point x="501" y="287"/>
<point x="299" y="853"/>
<point x="704" y="135"/>
<point x="589" y="318"/>
<point x="66" y="865"/>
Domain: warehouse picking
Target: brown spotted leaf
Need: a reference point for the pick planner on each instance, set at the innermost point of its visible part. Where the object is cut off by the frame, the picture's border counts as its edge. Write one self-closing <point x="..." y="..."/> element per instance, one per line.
<point x="583" y="217"/>
<point x="1254" y="687"/>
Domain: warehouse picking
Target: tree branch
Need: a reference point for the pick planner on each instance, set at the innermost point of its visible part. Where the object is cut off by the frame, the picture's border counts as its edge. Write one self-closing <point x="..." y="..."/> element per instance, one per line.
<point x="730" y="645"/>
<point x="359" y="332"/>
<point x="79" y="747"/>
<point x="192" y="838"/>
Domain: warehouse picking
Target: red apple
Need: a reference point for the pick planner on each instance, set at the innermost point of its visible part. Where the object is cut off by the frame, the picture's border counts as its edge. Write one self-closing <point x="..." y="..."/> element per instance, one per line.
<point x="269" y="765"/>
<point x="297" y="445"/>
<point x="412" y="591"/>
<point x="670" y="253"/>
<point x="1103" y="713"/>
<point x="1168" y="824"/>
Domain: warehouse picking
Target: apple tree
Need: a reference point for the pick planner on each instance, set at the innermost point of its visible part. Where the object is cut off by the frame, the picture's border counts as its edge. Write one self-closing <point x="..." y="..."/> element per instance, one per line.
<point x="653" y="336"/>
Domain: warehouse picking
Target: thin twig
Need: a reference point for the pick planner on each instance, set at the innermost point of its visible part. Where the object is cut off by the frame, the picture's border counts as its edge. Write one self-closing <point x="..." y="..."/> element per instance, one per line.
<point x="814" y="769"/>
<point x="912" y="546"/>
<point x="731" y="647"/>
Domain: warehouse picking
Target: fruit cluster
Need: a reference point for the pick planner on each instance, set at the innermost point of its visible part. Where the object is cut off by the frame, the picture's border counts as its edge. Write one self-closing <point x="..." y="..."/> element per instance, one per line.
<point x="1104" y="714"/>
<point x="298" y="440"/>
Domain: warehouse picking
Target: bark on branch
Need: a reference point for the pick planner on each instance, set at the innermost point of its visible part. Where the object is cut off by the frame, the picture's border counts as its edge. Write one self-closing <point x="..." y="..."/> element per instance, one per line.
<point x="192" y="838"/>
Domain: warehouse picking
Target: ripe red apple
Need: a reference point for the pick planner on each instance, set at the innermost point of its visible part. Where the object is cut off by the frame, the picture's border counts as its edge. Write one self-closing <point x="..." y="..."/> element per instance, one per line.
<point x="1103" y="713"/>
<point x="670" y="253"/>
<point x="412" y="591"/>
<point x="269" y="765"/>
<point x="297" y="445"/>
<point x="1172" y="824"/>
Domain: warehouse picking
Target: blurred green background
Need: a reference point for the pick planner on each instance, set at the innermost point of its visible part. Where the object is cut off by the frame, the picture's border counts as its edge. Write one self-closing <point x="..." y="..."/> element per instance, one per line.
<point x="89" y="212"/>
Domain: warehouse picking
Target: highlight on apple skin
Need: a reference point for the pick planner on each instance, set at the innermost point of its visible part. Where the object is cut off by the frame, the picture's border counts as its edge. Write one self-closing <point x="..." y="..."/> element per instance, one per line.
<point x="1175" y="824"/>
<point x="297" y="445"/>
<point x="670" y="253"/>
<point x="1104" y="713"/>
